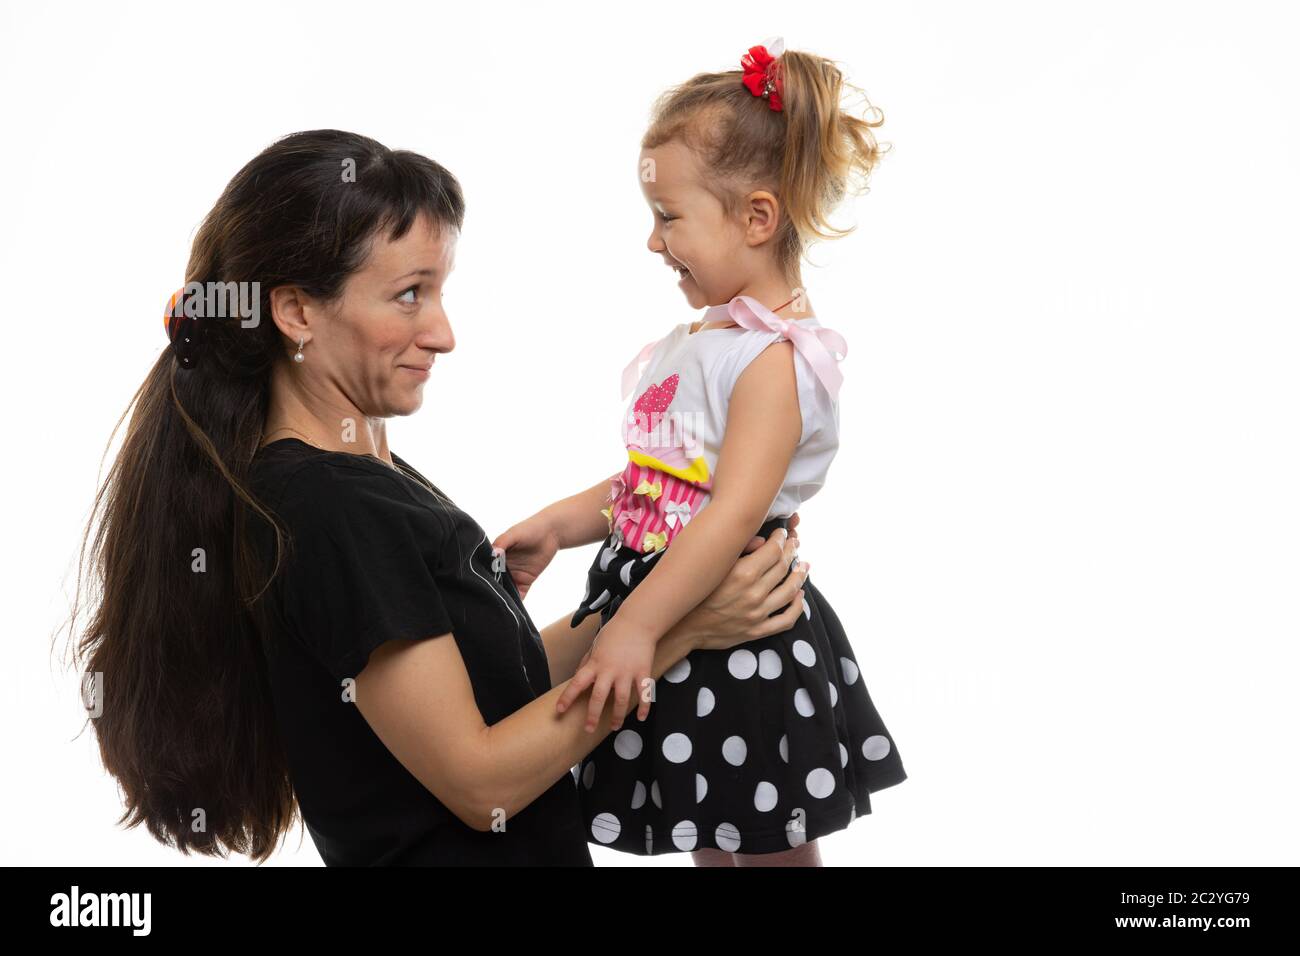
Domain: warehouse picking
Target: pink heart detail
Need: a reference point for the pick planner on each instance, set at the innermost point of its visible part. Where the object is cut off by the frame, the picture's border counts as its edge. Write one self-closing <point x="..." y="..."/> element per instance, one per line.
<point x="654" y="401"/>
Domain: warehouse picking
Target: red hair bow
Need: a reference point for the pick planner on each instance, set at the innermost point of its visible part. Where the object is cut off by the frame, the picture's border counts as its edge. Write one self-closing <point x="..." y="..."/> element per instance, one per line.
<point x="763" y="74"/>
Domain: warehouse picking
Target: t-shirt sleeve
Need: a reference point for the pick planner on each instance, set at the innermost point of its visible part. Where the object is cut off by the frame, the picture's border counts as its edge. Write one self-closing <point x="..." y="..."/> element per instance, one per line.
<point x="747" y="346"/>
<point x="360" y="570"/>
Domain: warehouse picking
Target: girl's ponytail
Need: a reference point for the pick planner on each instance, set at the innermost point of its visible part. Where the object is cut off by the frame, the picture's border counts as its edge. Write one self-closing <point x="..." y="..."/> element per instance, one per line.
<point x="829" y="152"/>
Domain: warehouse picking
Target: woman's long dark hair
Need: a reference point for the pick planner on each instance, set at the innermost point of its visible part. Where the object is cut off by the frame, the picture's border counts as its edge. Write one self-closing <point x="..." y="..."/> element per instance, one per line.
<point x="174" y="646"/>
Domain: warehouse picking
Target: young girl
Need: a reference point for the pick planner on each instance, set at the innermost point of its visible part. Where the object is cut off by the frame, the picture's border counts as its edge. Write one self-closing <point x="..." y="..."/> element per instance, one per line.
<point x="734" y="423"/>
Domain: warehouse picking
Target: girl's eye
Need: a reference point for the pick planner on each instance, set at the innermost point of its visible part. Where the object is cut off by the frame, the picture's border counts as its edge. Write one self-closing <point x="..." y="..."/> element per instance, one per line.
<point x="666" y="218"/>
<point x="413" y="288"/>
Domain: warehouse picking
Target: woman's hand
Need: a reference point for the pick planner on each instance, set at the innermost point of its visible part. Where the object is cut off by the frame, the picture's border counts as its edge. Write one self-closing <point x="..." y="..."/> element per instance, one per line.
<point x="529" y="547"/>
<point x="737" y="610"/>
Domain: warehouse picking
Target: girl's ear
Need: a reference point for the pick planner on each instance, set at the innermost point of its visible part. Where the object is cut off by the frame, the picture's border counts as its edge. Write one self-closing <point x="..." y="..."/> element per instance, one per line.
<point x="763" y="213"/>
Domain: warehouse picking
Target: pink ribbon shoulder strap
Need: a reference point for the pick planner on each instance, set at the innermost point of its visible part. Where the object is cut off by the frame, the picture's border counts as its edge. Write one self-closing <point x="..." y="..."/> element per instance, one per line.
<point x="823" y="348"/>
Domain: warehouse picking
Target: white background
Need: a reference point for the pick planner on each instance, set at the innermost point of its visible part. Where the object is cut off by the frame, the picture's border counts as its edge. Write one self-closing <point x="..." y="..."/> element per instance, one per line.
<point x="1062" y="530"/>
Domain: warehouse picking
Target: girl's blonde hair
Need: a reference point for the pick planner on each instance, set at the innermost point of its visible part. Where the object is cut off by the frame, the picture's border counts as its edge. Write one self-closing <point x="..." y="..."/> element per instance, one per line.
<point x="811" y="153"/>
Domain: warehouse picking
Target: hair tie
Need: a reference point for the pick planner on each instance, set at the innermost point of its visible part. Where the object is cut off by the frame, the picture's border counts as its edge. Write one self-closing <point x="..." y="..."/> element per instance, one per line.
<point x="185" y="332"/>
<point x="763" y="71"/>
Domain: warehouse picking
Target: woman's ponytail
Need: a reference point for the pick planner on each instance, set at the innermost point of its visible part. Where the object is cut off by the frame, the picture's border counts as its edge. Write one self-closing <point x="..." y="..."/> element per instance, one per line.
<point x="175" y="673"/>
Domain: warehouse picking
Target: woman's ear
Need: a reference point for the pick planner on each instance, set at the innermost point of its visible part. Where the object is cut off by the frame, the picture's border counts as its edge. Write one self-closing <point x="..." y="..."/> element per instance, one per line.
<point x="763" y="214"/>
<point x="289" y="311"/>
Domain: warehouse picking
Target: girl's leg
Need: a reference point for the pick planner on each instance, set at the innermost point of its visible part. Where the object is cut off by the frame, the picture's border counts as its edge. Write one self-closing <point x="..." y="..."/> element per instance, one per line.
<point x="806" y="855"/>
<point x="709" y="857"/>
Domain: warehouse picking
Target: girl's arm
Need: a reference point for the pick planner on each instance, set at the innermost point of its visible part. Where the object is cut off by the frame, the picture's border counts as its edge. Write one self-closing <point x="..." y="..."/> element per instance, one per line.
<point x="532" y="543"/>
<point x="763" y="428"/>
<point x="577" y="519"/>
<point x="735" y="604"/>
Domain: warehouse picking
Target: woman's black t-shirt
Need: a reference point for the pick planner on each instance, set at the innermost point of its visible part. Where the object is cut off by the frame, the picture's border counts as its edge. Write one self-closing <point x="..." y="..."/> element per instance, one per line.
<point x="379" y="554"/>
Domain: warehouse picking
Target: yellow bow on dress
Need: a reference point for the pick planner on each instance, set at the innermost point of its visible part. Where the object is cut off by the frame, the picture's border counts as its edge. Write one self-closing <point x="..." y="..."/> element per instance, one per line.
<point x="654" y="542"/>
<point x="645" y="488"/>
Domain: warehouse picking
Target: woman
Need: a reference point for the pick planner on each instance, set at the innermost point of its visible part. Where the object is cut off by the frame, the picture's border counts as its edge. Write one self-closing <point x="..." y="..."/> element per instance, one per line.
<point x="293" y="617"/>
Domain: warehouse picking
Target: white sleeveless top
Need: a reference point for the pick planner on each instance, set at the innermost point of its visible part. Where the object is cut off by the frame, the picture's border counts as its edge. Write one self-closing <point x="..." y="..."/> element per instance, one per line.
<point x="677" y="415"/>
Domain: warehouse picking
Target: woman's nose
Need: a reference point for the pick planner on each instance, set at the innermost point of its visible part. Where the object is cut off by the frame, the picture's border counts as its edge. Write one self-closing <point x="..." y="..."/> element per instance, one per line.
<point x="438" y="336"/>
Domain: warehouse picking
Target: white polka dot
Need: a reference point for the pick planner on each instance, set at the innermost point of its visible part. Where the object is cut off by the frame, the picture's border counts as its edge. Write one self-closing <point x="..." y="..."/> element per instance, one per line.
<point x="783" y="748"/>
<point x="679" y="671"/>
<point x="804" y="653"/>
<point x="727" y="837"/>
<point x="844" y="756"/>
<point x="796" y="829"/>
<point x="625" y="572"/>
<point x="807" y="611"/>
<point x="701" y="787"/>
<point x="654" y="794"/>
<point x="875" y="747"/>
<point x="803" y="702"/>
<point x="606" y="556"/>
<point x="677" y="748"/>
<point x="605" y="827"/>
<point x="684" y="835"/>
<point x="742" y="664"/>
<point x="835" y="695"/>
<point x="849" y="670"/>
<point x="704" y="702"/>
<point x="820" y="783"/>
<point x="649" y="839"/>
<point x="589" y="774"/>
<point x="627" y="744"/>
<point x="769" y="664"/>
<point x="734" y="750"/>
<point x="765" y="797"/>
<point x="638" y="796"/>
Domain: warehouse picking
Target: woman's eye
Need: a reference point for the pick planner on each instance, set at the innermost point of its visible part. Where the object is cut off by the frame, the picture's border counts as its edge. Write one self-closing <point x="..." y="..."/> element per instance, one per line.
<point x="412" y="289"/>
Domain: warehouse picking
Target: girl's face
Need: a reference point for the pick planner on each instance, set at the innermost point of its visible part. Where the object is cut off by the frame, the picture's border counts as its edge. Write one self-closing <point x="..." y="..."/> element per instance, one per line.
<point x="375" y="351"/>
<point x="692" y="232"/>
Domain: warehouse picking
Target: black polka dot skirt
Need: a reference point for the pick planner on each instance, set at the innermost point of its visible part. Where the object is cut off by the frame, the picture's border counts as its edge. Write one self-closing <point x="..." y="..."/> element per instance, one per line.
<point x="756" y="749"/>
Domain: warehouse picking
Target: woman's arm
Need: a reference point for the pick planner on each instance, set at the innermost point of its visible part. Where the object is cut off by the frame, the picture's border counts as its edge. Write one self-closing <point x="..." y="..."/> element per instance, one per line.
<point x="566" y="645"/>
<point x="418" y="699"/>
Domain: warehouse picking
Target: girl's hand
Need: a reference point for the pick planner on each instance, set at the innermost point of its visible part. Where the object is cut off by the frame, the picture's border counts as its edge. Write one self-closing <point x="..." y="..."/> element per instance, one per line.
<point x="621" y="659"/>
<point x="529" y="547"/>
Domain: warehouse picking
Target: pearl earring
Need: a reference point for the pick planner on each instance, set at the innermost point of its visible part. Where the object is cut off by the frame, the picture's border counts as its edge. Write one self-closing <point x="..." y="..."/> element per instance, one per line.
<point x="298" y="356"/>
